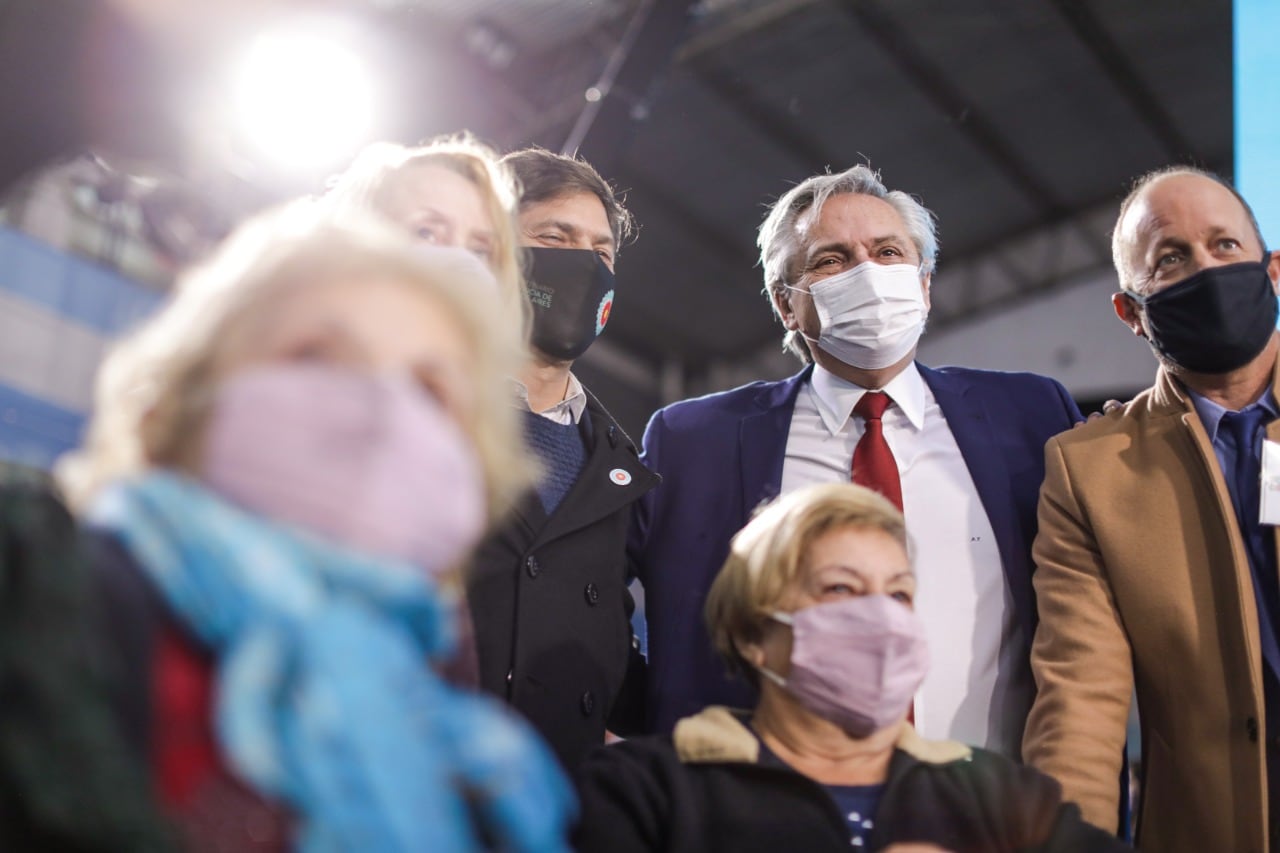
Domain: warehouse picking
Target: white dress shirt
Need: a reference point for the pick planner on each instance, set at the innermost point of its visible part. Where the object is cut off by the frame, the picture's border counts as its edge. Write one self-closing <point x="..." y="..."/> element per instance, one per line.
<point x="979" y="686"/>
<point x="567" y="411"/>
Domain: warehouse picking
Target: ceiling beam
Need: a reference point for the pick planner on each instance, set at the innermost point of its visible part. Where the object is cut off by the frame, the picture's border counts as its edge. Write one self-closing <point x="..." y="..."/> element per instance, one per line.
<point x="675" y="214"/>
<point x="777" y="127"/>
<point x="1124" y="76"/>
<point x="620" y="98"/>
<point x="732" y="23"/>
<point x="1033" y="291"/>
<point x="893" y="38"/>
<point x="1085" y="209"/>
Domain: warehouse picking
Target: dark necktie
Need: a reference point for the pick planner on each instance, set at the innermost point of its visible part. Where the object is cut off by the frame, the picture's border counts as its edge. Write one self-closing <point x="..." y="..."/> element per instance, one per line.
<point x="873" y="462"/>
<point x="1244" y="428"/>
<point x="1246" y="477"/>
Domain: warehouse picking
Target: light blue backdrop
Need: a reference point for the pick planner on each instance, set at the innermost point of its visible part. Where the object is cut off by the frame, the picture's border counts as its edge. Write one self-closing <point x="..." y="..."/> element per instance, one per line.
<point x="1257" y="111"/>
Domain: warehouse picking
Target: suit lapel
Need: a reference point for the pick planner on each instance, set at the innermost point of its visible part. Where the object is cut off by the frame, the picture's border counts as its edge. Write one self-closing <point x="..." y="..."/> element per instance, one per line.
<point x="762" y="441"/>
<point x="972" y="427"/>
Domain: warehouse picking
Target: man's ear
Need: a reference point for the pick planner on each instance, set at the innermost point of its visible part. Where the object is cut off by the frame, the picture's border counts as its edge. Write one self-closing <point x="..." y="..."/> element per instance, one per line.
<point x="926" y="282"/>
<point x="1128" y="312"/>
<point x="1273" y="269"/>
<point x="782" y="304"/>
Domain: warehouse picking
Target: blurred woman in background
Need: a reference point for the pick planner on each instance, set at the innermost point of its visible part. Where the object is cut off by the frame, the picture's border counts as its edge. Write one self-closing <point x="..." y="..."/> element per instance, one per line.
<point x="285" y="468"/>
<point x="451" y="191"/>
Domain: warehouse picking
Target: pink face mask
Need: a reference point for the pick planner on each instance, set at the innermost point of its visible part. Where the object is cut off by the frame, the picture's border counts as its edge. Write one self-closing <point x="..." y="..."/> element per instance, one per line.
<point x="857" y="662"/>
<point x="369" y="462"/>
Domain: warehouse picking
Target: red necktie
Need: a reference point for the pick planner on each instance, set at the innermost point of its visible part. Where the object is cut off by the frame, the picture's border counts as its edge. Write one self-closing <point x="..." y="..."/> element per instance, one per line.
<point x="874" y="465"/>
<point x="873" y="462"/>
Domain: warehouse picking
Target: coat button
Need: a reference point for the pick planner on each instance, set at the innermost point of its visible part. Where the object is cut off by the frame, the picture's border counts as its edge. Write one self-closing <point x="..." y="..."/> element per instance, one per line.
<point x="1251" y="726"/>
<point x="531" y="566"/>
<point x="613" y="436"/>
<point x="588" y="703"/>
<point x="592" y="593"/>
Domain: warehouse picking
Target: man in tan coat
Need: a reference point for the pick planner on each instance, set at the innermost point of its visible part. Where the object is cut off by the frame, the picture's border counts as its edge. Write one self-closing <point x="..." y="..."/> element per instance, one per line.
<point x="1153" y="569"/>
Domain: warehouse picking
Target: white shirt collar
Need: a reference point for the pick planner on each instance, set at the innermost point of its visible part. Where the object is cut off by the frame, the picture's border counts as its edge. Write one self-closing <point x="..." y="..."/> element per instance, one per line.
<point x="567" y="411"/>
<point x="836" y="397"/>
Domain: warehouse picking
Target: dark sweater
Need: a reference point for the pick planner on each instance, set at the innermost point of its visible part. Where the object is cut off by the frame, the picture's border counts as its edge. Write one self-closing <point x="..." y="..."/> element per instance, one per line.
<point x="706" y="789"/>
<point x="562" y="452"/>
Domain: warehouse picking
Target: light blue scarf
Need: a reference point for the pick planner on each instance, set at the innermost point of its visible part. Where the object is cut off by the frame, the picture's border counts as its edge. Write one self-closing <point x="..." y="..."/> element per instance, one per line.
<point x="324" y="696"/>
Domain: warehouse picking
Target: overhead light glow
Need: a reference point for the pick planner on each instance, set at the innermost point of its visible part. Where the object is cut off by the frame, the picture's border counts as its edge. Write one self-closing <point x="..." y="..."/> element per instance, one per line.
<point x="302" y="99"/>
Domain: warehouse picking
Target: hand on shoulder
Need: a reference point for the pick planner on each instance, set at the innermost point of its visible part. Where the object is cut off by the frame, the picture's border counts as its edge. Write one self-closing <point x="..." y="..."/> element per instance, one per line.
<point x="1107" y="408"/>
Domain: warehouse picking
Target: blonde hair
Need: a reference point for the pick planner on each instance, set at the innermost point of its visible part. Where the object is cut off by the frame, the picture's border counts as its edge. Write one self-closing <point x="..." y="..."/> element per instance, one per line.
<point x="155" y="388"/>
<point x="768" y="556"/>
<point x="366" y="184"/>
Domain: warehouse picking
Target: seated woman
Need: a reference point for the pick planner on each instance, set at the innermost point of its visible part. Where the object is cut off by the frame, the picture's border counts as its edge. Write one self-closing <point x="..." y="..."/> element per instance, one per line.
<point x="285" y="468"/>
<point x="814" y="607"/>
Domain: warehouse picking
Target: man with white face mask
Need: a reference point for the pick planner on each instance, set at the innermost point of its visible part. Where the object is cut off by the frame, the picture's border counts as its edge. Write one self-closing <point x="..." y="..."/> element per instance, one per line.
<point x="848" y="266"/>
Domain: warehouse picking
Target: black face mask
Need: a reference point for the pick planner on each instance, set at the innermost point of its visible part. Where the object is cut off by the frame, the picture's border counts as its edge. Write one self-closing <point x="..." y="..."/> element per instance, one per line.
<point x="1214" y="321"/>
<point x="571" y="294"/>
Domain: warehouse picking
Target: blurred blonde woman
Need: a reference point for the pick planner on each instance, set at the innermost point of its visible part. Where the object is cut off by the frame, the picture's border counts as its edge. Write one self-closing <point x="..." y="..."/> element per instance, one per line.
<point x="450" y="191"/>
<point x="286" y="466"/>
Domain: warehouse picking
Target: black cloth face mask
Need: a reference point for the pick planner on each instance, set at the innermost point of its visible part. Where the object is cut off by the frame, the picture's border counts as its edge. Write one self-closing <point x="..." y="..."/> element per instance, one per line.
<point x="571" y="296"/>
<point x="1214" y="321"/>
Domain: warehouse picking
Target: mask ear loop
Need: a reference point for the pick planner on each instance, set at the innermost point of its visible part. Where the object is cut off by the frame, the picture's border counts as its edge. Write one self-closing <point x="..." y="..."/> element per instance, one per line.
<point x="772" y="676"/>
<point x="813" y="342"/>
<point x="785" y="619"/>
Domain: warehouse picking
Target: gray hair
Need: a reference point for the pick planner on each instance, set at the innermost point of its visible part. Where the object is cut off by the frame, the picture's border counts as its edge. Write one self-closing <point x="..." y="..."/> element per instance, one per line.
<point x="780" y="246"/>
<point x="1140" y="185"/>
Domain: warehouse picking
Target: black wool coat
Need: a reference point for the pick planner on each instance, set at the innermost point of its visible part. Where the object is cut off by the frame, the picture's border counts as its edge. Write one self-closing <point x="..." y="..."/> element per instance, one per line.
<point x="706" y="789"/>
<point x="549" y="600"/>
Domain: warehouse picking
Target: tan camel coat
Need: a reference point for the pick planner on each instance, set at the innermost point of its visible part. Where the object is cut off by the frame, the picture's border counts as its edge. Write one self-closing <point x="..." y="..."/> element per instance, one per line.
<point x="1142" y="582"/>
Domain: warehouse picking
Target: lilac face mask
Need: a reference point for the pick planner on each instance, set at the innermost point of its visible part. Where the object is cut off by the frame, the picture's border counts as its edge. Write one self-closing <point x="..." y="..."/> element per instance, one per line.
<point x="857" y="662"/>
<point x="369" y="462"/>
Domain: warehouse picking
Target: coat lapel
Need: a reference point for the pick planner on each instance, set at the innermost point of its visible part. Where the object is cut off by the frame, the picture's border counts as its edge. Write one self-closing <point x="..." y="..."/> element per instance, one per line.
<point x="762" y="441"/>
<point x="972" y="427"/>
<point x="529" y="516"/>
<point x="611" y="479"/>
<point x="1170" y="398"/>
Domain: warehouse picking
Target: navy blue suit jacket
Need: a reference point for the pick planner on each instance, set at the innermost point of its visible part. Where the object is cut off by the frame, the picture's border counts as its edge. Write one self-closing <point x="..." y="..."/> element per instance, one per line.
<point x="721" y="455"/>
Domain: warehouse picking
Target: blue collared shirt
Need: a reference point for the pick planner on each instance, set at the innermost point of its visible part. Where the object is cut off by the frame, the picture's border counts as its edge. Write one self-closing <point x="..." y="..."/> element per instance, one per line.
<point x="1223" y="447"/>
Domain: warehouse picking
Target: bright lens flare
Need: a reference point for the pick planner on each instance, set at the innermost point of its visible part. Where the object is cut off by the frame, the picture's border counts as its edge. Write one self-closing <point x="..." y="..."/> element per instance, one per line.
<point x="302" y="99"/>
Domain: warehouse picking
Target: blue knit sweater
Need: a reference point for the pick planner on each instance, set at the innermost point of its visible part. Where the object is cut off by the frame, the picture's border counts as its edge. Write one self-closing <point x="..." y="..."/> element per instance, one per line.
<point x="562" y="452"/>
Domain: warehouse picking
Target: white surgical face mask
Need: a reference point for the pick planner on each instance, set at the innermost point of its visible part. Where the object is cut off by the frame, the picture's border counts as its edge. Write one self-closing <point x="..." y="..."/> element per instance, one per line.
<point x="871" y="316"/>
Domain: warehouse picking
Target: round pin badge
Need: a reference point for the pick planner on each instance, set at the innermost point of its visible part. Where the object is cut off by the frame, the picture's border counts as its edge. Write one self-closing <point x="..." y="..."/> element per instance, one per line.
<point x="603" y="311"/>
<point x="620" y="477"/>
